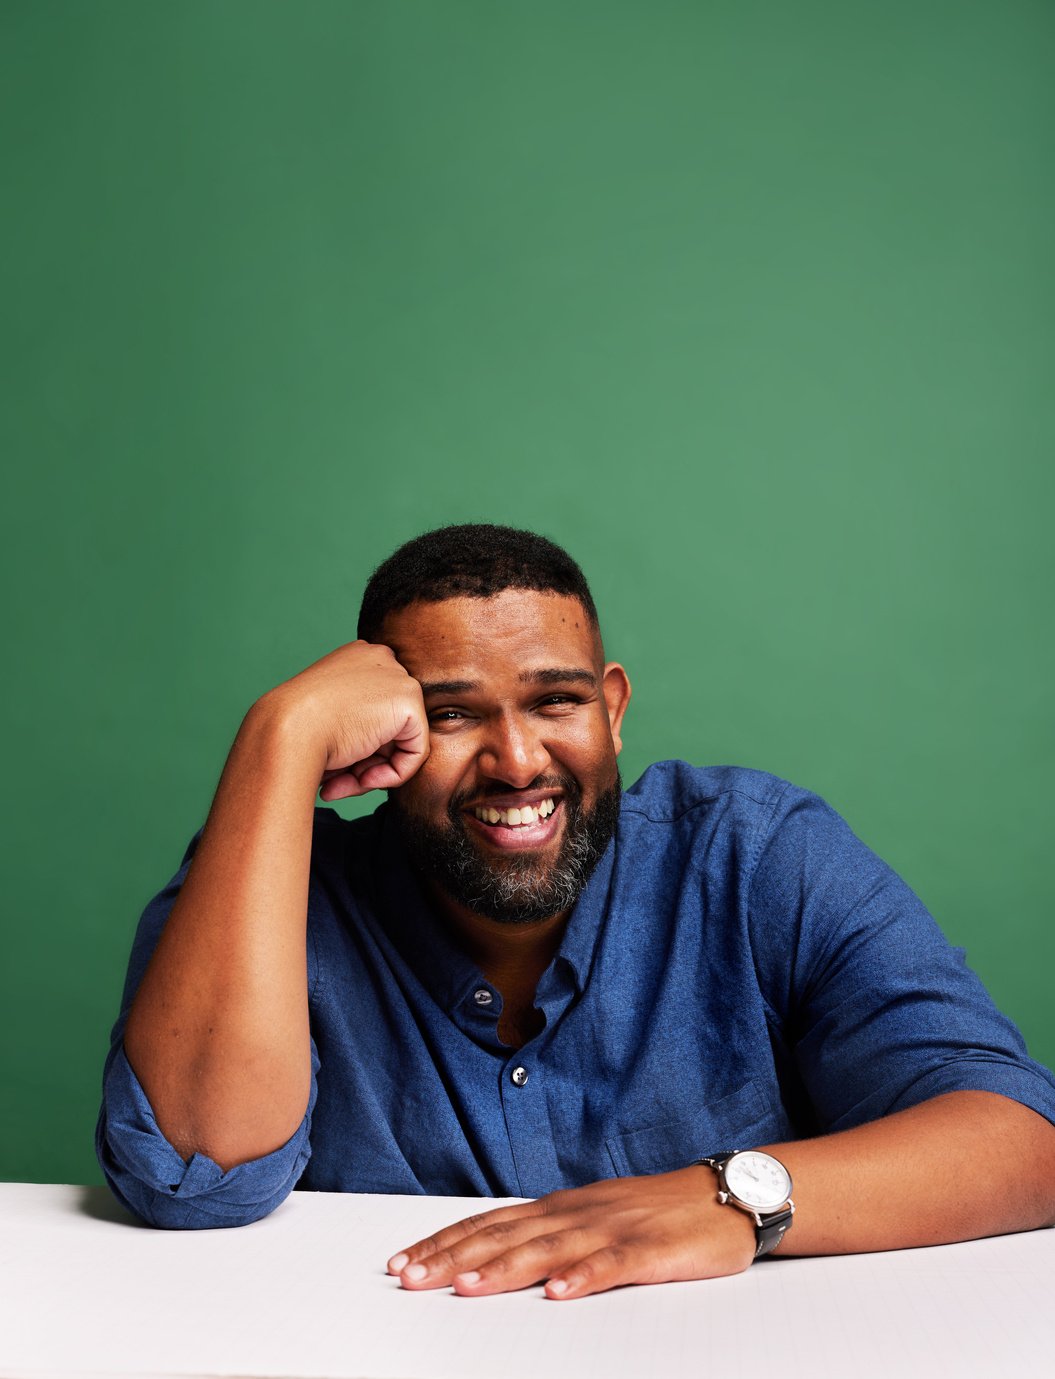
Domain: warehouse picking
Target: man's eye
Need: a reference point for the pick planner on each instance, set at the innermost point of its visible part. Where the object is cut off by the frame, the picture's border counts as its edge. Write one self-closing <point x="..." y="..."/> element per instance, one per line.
<point x="558" y="700"/>
<point x="445" y="716"/>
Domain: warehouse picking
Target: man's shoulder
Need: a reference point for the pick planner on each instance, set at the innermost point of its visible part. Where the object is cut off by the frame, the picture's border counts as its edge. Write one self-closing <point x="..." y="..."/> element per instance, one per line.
<point x="668" y="790"/>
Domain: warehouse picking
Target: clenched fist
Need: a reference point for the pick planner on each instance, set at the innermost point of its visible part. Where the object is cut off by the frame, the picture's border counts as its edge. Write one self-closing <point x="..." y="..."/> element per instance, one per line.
<point x="365" y="714"/>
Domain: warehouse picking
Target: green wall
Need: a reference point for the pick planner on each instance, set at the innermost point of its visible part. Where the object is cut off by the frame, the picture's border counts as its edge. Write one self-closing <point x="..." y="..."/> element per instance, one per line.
<point x="750" y="304"/>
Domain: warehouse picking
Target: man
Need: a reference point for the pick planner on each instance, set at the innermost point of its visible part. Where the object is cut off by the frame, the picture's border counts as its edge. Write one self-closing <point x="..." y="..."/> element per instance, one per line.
<point x="513" y="979"/>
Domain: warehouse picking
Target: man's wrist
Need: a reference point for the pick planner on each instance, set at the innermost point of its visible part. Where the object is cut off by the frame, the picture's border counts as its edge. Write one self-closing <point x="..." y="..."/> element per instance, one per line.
<point x="285" y="725"/>
<point x="730" y="1235"/>
<point x="758" y="1187"/>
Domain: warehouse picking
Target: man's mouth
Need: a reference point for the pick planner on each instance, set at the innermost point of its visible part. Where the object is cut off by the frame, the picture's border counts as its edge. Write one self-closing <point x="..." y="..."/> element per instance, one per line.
<point x="518" y="827"/>
<point x="515" y="818"/>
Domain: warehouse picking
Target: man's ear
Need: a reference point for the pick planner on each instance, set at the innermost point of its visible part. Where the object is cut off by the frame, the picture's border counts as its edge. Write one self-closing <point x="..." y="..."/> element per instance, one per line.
<point x="616" y="688"/>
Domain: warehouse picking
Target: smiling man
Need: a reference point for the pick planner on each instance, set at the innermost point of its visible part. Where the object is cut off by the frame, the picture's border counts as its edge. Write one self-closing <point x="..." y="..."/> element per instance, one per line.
<point x="648" y="1011"/>
<point x="520" y="796"/>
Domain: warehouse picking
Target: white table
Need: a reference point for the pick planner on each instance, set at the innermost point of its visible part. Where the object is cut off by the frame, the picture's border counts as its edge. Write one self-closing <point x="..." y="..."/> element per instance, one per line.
<point x="86" y="1292"/>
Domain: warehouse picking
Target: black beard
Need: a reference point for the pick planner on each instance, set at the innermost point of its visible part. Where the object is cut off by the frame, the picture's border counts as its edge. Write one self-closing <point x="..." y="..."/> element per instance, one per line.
<point x="517" y="889"/>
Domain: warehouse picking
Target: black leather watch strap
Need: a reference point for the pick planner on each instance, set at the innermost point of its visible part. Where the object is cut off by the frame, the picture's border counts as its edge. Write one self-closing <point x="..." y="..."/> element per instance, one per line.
<point x="771" y="1232"/>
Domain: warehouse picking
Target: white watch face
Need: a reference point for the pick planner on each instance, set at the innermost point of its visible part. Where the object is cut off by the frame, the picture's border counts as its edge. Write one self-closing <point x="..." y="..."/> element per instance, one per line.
<point x="758" y="1179"/>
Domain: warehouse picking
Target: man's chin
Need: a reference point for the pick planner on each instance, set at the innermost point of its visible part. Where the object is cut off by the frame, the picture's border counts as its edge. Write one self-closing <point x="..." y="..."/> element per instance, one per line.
<point x="519" y="885"/>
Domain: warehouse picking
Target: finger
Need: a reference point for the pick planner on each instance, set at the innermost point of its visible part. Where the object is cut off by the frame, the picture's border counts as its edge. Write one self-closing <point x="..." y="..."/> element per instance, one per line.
<point x="610" y="1267"/>
<point x="405" y="764"/>
<point x="355" y="767"/>
<point x="413" y="737"/>
<point x="341" y="786"/>
<point x="359" y="780"/>
<point x="379" y="775"/>
<point x="552" y="1251"/>
<point x="377" y="772"/>
<point x="479" y="1250"/>
<point x="450" y="1235"/>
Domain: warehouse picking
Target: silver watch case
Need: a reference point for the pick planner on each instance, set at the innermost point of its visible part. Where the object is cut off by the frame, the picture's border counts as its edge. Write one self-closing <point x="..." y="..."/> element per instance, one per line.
<point x="772" y="1219"/>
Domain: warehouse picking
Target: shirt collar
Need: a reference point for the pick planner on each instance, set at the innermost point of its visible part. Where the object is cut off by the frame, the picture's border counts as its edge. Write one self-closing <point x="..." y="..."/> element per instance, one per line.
<point x="583" y="932"/>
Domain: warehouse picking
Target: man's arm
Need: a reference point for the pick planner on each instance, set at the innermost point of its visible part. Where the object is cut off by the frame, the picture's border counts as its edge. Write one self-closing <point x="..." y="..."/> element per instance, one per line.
<point x="960" y="1166"/>
<point x="218" y="1032"/>
<point x="873" y="1011"/>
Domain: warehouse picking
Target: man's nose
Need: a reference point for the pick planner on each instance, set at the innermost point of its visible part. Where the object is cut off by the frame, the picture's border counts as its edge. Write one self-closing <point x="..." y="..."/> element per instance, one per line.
<point x="513" y="752"/>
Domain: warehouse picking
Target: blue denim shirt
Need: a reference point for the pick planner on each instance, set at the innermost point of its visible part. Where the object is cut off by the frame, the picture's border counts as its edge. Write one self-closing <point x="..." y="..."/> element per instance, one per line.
<point x="739" y="970"/>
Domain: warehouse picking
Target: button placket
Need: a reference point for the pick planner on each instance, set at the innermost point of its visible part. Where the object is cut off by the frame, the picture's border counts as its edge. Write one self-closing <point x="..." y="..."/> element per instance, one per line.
<point x="522" y="1089"/>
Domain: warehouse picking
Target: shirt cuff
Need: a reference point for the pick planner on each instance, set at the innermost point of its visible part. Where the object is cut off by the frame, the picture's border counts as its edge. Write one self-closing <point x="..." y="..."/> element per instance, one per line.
<point x="152" y="1179"/>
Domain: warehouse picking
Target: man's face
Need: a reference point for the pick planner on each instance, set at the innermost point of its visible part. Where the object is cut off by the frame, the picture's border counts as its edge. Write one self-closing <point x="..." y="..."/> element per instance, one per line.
<point x="523" y="715"/>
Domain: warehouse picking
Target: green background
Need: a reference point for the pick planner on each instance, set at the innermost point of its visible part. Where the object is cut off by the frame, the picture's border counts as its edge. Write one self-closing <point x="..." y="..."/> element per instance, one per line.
<point x="751" y="305"/>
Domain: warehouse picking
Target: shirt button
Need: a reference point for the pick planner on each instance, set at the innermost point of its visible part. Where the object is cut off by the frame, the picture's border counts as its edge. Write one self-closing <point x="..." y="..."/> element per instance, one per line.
<point x="520" y="1076"/>
<point x="482" y="997"/>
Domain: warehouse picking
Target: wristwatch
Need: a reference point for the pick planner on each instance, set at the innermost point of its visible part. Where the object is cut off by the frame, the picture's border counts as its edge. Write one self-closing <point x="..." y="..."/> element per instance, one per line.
<point x="759" y="1185"/>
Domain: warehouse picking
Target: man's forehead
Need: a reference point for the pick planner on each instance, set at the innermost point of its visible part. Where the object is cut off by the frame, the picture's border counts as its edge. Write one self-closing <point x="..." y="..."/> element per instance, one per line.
<point x="515" y="623"/>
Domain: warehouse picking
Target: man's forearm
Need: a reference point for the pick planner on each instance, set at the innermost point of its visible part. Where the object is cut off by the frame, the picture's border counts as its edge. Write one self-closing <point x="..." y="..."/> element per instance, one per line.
<point x="218" y="1032"/>
<point x="963" y="1165"/>
<point x="960" y="1166"/>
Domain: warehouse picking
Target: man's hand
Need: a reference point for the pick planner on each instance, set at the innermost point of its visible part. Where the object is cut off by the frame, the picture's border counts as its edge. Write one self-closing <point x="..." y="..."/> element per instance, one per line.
<point x="365" y="713"/>
<point x="923" y="1176"/>
<point x="657" y="1229"/>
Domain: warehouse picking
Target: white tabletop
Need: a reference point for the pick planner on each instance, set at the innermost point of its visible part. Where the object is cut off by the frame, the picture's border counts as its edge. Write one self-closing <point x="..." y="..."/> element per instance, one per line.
<point x="303" y="1293"/>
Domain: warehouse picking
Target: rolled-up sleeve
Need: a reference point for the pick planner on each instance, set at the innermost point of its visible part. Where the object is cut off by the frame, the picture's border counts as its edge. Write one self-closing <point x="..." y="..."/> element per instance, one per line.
<point x="142" y="1168"/>
<point x="879" y="1010"/>
<point x="154" y="1181"/>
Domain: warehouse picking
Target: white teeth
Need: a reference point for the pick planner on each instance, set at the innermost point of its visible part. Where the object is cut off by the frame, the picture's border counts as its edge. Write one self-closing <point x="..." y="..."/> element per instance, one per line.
<point x="526" y="814"/>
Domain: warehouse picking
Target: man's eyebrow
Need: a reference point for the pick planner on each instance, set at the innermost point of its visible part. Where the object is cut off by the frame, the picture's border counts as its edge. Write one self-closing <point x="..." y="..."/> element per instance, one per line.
<point x="557" y="675"/>
<point x="560" y="675"/>
<point x="448" y="686"/>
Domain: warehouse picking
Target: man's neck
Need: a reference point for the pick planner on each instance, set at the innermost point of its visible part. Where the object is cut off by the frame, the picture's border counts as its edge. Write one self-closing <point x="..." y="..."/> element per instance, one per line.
<point x="511" y="956"/>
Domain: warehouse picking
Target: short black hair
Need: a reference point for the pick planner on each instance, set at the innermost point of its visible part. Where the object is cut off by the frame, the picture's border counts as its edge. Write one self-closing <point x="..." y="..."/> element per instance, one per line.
<point x="473" y="560"/>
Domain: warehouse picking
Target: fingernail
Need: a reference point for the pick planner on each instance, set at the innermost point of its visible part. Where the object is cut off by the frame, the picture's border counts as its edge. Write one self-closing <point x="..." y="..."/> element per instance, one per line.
<point x="469" y="1279"/>
<point x="397" y="1263"/>
<point x="415" y="1272"/>
<point x="557" y="1286"/>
